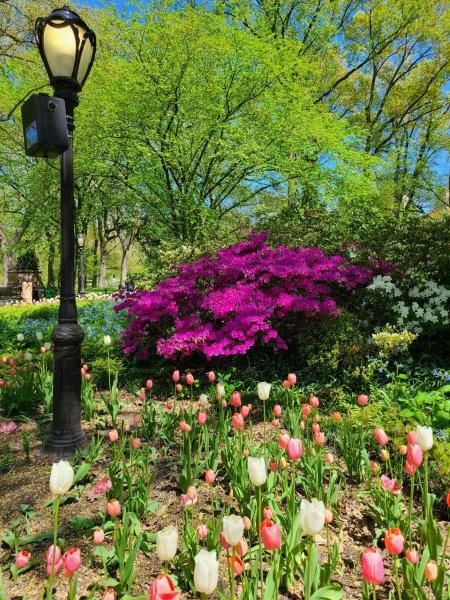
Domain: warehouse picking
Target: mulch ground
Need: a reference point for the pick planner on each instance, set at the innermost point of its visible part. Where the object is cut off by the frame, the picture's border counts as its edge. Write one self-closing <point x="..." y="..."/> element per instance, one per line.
<point x="27" y="482"/>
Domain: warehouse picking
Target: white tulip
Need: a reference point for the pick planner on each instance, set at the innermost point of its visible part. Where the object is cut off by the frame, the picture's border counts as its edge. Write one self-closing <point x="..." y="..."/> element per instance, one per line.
<point x="257" y="471"/>
<point x="47" y="346"/>
<point x="233" y="529"/>
<point x="206" y="571"/>
<point x="61" y="478"/>
<point x="312" y="516"/>
<point x="107" y="340"/>
<point x="166" y="543"/>
<point x="203" y="399"/>
<point x="20" y="337"/>
<point x="424" y="437"/>
<point x="39" y="335"/>
<point x="220" y="390"/>
<point x="263" y="390"/>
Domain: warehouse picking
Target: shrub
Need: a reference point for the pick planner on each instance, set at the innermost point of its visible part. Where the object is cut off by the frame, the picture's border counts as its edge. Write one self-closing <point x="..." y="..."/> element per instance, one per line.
<point x="224" y="305"/>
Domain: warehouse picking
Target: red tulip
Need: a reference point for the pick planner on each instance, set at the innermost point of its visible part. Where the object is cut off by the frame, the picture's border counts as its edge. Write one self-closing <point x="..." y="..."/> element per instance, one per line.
<point x="372" y="566"/>
<point x="270" y="533"/>
<point x="394" y="541"/>
<point x="336" y="416"/>
<point x="319" y="438"/>
<point x="236" y="565"/>
<point x="211" y="376"/>
<point x="286" y="384"/>
<point x="306" y="411"/>
<point x="448" y="499"/>
<point x="236" y="399"/>
<point x="409" y="468"/>
<point x="283" y="440"/>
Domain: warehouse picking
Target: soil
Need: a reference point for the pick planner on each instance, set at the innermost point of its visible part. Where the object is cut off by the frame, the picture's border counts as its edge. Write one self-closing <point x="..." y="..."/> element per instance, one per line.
<point x="27" y="482"/>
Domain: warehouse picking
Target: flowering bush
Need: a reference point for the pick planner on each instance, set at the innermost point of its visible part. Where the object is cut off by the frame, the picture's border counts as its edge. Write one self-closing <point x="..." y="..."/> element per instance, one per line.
<point x="414" y="307"/>
<point x="223" y="305"/>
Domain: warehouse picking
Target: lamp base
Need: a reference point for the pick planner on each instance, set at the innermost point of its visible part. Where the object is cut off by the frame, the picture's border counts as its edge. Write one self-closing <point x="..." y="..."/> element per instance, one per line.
<point x="63" y="446"/>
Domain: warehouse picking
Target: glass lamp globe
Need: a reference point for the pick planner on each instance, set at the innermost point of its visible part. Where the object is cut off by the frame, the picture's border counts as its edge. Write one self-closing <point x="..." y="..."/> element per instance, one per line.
<point x="67" y="46"/>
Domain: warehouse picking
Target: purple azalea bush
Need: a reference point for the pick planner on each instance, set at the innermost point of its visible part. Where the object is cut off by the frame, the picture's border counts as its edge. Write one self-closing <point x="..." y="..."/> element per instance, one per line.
<point x="223" y="305"/>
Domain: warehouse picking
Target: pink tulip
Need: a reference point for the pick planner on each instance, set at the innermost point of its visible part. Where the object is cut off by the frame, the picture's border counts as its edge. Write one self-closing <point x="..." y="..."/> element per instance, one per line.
<point x="411" y="437"/>
<point x="412" y="556"/>
<point x="149" y="384"/>
<point x="277" y="410"/>
<point x="328" y="458"/>
<point x="242" y="547"/>
<point x="103" y="486"/>
<point x="136" y="443"/>
<point x="336" y="416"/>
<point x="302" y="425"/>
<point x="163" y="588"/>
<point x="202" y="531"/>
<point x="236" y="399"/>
<point x="372" y="566"/>
<point x="319" y="438"/>
<point x="286" y="384"/>
<point x="247" y="523"/>
<point x="211" y="376"/>
<point x="99" y="536"/>
<point x="314" y="401"/>
<point x="178" y="388"/>
<point x="22" y="559"/>
<point x="71" y="560"/>
<point x="362" y="400"/>
<point x="237" y="421"/>
<point x="328" y="516"/>
<point x="176" y="376"/>
<point x="283" y="440"/>
<point x="306" y="411"/>
<point x="109" y="594"/>
<point x="186" y="501"/>
<point x="113" y="435"/>
<point x="315" y="427"/>
<point x="183" y="426"/>
<point x="294" y="449"/>
<point x="431" y="571"/>
<point x="245" y="411"/>
<point x="236" y="565"/>
<point x="113" y="508"/>
<point x="268" y="513"/>
<point x="168" y="406"/>
<point x="210" y="476"/>
<point x="137" y="420"/>
<point x="57" y="569"/>
<point x="292" y="378"/>
<point x="190" y="379"/>
<point x="191" y="492"/>
<point x="223" y="542"/>
<point x="403" y="449"/>
<point x="270" y="533"/>
<point x="381" y="436"/>
<point x="224" y="403"/>
<point x="390" y="484"/>
<point x="202" y="418"/>
<point x="409" y="468"/>
<point x="394" y="541"/>
<point x="275" y="423"/>
<point x="414" y="455"/>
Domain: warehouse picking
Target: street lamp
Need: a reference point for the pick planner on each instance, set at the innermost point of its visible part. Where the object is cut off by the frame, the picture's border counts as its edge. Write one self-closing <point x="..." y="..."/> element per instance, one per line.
<point x="80" y="240"/>
<point x="67" y="47"/>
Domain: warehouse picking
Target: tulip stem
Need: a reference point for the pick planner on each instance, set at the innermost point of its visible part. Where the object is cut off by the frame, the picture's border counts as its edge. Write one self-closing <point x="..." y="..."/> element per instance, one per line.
<point x="55" y="538"/>
<point x="264" y="425"/>
<point x="397" y="581"/>
<point x="374" y="592"/>
<point x="425" y="485"/>
<point x="109" y="371"/>
<point x="411" y="499"/>
<point x="261" y="574"/>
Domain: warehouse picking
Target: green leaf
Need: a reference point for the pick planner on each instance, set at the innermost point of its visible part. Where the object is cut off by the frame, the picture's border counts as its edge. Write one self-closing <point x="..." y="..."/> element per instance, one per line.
<point x="329" y="592"/>
<point x="81" y="472"/>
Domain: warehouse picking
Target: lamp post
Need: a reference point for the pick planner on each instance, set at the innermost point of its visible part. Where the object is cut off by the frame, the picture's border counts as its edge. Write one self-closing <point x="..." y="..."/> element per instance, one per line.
<point x="67" y="47"/>
<point x="80" y="240"/>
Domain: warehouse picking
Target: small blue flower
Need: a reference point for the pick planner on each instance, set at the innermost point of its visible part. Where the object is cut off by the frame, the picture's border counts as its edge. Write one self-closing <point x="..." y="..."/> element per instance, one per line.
<point x="436" y="373"/>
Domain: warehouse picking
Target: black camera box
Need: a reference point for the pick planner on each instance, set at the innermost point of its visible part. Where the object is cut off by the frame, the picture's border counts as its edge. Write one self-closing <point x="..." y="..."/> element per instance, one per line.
<point x="44" y="123"/>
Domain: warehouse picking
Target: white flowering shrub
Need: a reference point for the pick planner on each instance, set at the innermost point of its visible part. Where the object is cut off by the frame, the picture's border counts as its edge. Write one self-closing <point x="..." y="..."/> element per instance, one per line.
<point x="413" y="308"/>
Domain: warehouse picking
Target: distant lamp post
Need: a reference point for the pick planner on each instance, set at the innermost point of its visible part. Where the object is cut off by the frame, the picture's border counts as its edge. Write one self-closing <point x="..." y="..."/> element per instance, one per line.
<point x="80" y="240"/>
<point x="67" y="47"/>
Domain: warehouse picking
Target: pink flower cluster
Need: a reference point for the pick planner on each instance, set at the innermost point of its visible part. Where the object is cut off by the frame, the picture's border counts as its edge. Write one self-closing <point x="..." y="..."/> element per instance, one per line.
<point x="223" y="305"/>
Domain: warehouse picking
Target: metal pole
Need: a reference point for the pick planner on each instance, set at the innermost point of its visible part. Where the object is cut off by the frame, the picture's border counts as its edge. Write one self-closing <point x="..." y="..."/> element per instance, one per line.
<point x="67" y="434"/>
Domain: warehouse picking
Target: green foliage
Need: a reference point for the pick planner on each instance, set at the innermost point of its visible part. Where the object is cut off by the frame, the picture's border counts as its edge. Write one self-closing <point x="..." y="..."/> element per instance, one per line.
<point x="28" y="261"/>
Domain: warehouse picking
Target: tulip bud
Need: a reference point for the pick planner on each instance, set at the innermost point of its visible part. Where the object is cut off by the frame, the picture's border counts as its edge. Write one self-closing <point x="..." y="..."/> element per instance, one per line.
<point x="71" y="560"/>
<point x="312" y="516"/>
<point x="210" y="476"/>
<point x="178" y="388"/>
<point x="61" y="478"/>
<point x="384" y="454"/>
<point x="109" y="594"/>
<point x="257" y="471"/>
<point x="107" y="340"/>
<point x="113" y="508"/>
<point x="99" y="536"/>
<point x="176" y="376"/>
<point x="263" y="389"/>
<point x="211" y="376"/>
<point x="113" y="435"/>
<point x="233" y="529"/>
<point x="403" y="449"/>
<point x="292" y="378"/>
<point x="191" y="492"/>
<point x="22" y="559"/>
<point x="314" y="401"/>
<point x="372" y="566"/>
<point x="431" y="570"/>
<point x="362" y="400"/>
<point x="149" y="384"/>
<point x="270" y="534"/>
<point x="202" y="531"/>
<point x="412" y="556"/>
<point x="220" y="389"/>
<point x="247" y="523"/>
<point x="206" y="571"/>
<point x="424" y="437"/>
<point x="136" y="443"/>
<point x="166" y="543"/>
<point x="190" y="379"/>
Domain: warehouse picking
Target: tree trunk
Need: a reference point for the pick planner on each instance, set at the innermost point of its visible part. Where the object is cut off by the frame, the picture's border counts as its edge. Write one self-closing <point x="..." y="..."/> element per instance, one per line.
<point x="51" y="266"/>
<point x="95" y="264"/>
<point x="103" y="264"/>
<point x="124" y="267"/>
<point x="9" y="262"/>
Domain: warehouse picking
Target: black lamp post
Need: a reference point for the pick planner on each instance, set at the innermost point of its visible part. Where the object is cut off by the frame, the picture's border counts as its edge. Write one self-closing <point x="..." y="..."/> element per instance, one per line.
<point x="67" y="47"/>
<point x="80" y="240"/>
